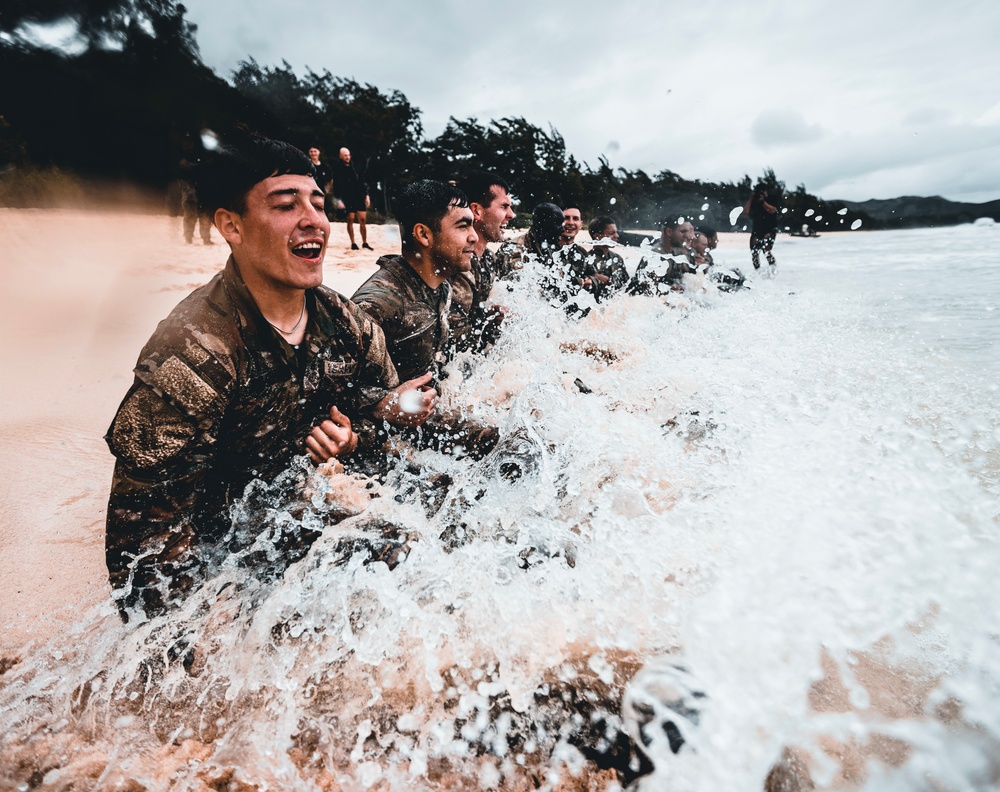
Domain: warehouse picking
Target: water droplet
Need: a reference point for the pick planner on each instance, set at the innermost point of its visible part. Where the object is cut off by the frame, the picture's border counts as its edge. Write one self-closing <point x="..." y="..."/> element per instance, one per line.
<point x="809" y="212"/>
<point x="704" y="207"/>
<point x="613" y="201"/>
<point x="843" y="211"/>
<point x="734" y="215"/>
<point x="856" y="224"/>
<point x="209" y="140"/>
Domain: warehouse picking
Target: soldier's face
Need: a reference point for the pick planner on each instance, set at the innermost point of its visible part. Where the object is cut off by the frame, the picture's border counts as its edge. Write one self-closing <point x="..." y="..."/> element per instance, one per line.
<point x="682" y="235"/>
<point x="490" y="221"/>
<point x="281" y="237"/>
<point x="699" y="244"/>
<point x="608" y="232"/>
<point x="314" y="155"/>
<point x="572" y="223"/>
<point x="452" y="246"/>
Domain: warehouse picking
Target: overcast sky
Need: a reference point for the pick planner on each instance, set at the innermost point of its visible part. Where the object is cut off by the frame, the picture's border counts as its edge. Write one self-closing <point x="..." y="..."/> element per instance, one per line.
<point x="856" y="99"/>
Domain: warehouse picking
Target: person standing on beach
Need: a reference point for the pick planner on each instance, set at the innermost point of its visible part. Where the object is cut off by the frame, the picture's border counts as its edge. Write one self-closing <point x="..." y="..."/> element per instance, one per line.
<point x="324" y="179"/>
<point x="191" y="209"/>
<point x="353" y="193"/>
<point x="260" y="365"/>
<point x="762" y="208"/>
<point x="410" y="298"/>
<point x="474" y="322"/>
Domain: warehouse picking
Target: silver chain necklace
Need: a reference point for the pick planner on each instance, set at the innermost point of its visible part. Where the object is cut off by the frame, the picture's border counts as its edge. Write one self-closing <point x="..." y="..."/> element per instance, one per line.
<point x="295" y="326"/>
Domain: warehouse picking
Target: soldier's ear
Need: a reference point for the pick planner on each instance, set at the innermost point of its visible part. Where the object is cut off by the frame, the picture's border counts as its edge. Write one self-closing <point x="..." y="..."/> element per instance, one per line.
<point x="230" y="225"/>
<point x="423" y="235"/>
<point x="477" y="210"/>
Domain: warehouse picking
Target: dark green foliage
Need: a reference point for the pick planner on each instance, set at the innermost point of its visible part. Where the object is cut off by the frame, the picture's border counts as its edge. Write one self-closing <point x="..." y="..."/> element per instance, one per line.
<point x="383" y="131"/>
<point x="118" y="109"/>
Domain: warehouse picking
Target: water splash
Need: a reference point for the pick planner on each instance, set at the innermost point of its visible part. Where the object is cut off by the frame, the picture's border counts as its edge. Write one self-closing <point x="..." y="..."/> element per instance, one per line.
<point x="768" y="488"/>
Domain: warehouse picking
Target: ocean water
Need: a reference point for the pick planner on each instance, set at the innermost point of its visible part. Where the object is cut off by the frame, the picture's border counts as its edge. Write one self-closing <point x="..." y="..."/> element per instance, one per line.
<point x="791" y="492"/>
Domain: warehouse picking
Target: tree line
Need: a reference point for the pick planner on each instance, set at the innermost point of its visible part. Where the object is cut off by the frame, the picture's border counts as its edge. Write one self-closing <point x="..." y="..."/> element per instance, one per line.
<point x="117" y="107"/>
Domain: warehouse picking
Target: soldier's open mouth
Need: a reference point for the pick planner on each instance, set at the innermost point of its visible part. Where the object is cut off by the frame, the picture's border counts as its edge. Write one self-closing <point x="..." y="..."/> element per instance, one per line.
<point x="310" y="250"/>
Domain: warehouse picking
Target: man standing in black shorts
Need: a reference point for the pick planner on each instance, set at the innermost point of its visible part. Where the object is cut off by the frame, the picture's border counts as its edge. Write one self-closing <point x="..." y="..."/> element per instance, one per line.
<point x="353" y="193"/>
<point x="763" y="211"/>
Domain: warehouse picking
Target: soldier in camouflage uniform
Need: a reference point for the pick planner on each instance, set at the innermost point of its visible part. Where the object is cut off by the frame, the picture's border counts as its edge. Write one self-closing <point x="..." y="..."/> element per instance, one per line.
<point x="223" y="394"/>
<point x="475" y="323"/>
<point x="410" y="298"/>
<point x="663" y="269"/>
<point x="610" y="266"/>
<point x="565" y="271"/>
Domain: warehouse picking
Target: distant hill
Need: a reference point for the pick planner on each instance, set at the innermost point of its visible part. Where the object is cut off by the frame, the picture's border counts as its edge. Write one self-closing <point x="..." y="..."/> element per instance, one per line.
<point x="910" y="211"/>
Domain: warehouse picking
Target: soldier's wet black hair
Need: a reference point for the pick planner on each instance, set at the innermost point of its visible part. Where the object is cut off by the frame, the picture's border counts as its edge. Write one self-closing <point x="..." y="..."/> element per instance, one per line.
<point x="478" y="186"/>
<point x="546" y="223"/>
<point x="242" y="162"/>
<point x="707" y="231"/>
<point x="426" y="202"/>
<point x="598" y="224"/>
<point x="673" y="222"/>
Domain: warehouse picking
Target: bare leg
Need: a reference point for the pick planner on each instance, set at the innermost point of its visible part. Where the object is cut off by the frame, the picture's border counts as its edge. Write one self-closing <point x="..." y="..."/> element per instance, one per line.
<point x="205" y="229"/>
<point x="350" y="228"/>
<point x="362" y="223"/>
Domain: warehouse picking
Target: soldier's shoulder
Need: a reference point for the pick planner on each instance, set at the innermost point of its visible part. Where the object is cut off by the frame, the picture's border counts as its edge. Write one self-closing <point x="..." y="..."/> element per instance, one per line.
<point x="346" y="311"/>
<point x="385" y="290"/>
<point x="202" y="332"/>
<point x="207" y="308"/>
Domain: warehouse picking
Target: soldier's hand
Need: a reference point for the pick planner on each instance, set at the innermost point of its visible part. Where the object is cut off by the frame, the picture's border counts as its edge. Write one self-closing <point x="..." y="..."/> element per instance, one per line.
<point x="410" y="404"/>
<point x="331" y="438"/>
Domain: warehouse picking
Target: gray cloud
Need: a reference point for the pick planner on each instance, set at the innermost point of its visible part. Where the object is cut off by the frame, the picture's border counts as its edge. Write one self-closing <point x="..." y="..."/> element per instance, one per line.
<point x="849" y="85"/>
<point x="783" y="128"/>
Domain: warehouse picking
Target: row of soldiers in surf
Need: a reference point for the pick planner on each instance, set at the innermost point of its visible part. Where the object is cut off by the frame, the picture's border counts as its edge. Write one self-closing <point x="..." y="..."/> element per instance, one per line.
<point x="264" y="365"/>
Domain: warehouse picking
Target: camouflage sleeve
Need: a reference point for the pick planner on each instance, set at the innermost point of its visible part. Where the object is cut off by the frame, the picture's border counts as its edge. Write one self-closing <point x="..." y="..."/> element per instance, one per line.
<point x="377" y="374"/>
<point x="163" y="438"/>
<point x="463" y="301"/>
<point x="380" y="301"/>
<point x="507" y="260"/>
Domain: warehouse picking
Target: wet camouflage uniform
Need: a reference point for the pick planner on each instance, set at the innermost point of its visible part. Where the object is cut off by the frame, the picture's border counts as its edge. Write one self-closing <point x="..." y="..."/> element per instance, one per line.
<point x="219" y="399"/>
<point x="661" y="271"/>
<point x="470" y="315"/>
<point x="415" y="320"/>
<point x="564" y="272"/>
<point x="413" y="316"/>
<point x="610" y="264"/>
